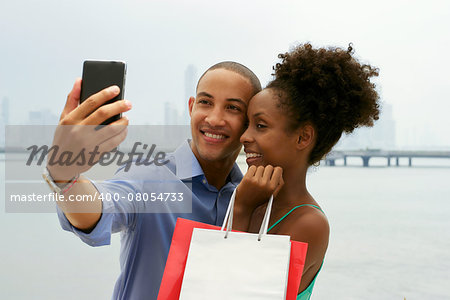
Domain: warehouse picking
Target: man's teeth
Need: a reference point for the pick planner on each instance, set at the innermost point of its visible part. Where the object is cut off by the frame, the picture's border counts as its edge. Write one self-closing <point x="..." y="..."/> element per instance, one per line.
<point x="214" y="136"/>
<point x="251" y="155"/>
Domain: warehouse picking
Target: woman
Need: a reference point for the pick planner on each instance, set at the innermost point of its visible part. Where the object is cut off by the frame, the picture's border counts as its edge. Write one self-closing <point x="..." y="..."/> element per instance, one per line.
<point x="317" y="95"/>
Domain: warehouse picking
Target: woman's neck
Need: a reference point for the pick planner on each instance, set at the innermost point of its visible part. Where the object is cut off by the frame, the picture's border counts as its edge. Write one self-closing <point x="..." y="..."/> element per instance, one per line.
<point x="294" y="191"/>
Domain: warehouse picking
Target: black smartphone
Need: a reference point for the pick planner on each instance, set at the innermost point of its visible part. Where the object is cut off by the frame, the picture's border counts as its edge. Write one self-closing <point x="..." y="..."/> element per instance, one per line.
<point x="100" y="74"/>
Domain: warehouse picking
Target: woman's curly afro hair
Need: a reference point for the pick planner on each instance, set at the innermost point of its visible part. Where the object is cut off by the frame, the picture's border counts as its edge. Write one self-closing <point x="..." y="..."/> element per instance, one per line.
<point x="327" y="88"/>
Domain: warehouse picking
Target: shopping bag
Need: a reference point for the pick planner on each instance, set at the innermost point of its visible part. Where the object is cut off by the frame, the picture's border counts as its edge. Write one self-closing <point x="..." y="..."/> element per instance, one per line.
<point x="176" y="260"/>
<point x="173" y="274"/>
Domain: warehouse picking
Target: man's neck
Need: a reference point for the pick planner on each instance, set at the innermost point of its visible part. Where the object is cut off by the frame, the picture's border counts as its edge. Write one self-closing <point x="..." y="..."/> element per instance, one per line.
<point x="216" y="172"/>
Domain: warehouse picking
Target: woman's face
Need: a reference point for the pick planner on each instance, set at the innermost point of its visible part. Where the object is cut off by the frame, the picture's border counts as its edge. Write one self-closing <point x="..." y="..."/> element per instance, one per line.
<point x="266" y="140"/>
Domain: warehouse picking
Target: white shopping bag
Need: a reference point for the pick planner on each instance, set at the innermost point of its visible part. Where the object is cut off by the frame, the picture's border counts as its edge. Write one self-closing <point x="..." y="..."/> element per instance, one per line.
<point x="236" y="265"/>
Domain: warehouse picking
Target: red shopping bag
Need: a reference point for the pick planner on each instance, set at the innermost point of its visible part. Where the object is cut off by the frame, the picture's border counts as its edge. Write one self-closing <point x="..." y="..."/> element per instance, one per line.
<point x="176" y="261"/>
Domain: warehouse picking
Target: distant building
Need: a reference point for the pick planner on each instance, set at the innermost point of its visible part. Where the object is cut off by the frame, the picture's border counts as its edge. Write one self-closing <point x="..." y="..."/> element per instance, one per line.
<point x="42" y="117"/>
<point x="177" y="113"/>
<point x="190" y="84"/>
<point x="5" y="111"/>
<point x="4" y="120"/>
<point x="381" y="136"/>
<point x="171" y="115"/>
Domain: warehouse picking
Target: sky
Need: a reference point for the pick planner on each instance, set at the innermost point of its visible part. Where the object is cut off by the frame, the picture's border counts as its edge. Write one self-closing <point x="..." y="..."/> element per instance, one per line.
<point x="44" y="43"/>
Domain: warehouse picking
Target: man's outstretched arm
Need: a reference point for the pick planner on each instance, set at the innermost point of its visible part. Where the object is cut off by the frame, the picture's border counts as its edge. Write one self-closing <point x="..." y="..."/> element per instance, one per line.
<point x="76" y="133"/>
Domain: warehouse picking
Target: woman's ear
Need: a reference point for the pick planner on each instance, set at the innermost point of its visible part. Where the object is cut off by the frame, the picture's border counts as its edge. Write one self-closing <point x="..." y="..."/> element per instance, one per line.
<point x="306" y="135"/>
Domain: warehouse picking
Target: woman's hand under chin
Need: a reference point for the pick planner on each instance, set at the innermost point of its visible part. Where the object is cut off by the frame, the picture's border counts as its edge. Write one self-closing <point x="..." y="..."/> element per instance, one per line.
<point x="258" y="184"/>
<point x="255" y="189"/>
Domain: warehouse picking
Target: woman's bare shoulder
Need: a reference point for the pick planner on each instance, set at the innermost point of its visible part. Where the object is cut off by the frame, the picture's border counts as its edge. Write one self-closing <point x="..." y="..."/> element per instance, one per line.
<point x="310" y="225"/>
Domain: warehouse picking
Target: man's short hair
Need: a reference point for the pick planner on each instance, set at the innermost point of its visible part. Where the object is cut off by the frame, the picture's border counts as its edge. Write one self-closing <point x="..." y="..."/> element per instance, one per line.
<point x="239" y="69"/>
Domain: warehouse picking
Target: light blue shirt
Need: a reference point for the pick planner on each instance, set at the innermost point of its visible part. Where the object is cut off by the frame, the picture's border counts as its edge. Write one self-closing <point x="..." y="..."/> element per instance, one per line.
<point x="146" y="237"/>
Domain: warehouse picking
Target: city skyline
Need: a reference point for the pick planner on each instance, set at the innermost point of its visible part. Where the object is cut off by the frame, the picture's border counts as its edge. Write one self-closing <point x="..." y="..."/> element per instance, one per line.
<point x="43" y="54"/>
<point x="383" y="135"/>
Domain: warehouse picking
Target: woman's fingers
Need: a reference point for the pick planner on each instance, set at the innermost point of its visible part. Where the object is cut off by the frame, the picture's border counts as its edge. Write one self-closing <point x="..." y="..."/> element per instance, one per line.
<point x="259" y="173"/>
<point x="259" y="183"/>
<point x="277" y="175"/>
<point x="272" y="178"/>
<point x="267" y="178"/>
<point x="277" y="181"/>
<point x="250" y="172"/>
<point x="267" y="174"/>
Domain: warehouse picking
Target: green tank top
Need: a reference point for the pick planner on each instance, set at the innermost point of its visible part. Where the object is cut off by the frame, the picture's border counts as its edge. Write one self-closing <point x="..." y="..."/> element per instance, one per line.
<point x="306" y="294"/>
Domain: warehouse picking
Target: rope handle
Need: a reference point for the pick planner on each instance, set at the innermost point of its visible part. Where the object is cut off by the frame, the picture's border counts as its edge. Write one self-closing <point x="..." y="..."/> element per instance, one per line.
<point x="228" y="221"/>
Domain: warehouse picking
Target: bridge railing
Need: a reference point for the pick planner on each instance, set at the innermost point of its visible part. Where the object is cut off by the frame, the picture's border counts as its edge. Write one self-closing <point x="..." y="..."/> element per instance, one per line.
<point x="366" y="155"/>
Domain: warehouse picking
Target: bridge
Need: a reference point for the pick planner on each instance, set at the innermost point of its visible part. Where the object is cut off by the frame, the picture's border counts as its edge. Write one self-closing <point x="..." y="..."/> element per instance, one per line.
<point x="366" y="155"/>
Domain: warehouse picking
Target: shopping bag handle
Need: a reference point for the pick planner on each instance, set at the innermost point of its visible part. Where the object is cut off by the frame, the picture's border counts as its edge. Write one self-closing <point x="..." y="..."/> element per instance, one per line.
<point x="228" y="221"/>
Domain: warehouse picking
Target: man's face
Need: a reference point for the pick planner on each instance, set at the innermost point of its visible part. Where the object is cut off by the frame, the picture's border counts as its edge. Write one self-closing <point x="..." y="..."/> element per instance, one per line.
<point x="218" y="115"/>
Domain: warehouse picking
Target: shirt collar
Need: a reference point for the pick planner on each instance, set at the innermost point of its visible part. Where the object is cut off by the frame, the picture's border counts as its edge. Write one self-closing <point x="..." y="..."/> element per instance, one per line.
<point x="235" y="175"/>
<point x="185" y="170"/>
<point x="187" y="165"/>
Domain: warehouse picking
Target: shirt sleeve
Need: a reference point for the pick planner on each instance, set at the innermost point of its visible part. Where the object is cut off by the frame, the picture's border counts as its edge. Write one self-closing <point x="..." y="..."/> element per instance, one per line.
<point x="118" y="214"/>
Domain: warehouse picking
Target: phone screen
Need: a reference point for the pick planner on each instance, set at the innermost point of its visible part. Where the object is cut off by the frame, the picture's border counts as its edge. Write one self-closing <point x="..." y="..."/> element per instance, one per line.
<point x="98" y="75"/>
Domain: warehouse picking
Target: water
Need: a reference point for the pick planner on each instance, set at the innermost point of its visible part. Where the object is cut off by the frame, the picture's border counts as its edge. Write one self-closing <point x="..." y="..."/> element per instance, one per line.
<point x="390" y="232"/>
<point x="390" y="239"/>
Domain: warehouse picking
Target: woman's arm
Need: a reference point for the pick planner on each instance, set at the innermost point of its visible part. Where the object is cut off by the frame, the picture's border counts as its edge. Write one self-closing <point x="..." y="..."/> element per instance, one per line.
<point x="310" y="227"/>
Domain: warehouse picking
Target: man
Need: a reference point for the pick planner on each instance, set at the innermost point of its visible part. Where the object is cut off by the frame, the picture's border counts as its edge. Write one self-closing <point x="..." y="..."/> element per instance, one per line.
<point x="205" y="167"/>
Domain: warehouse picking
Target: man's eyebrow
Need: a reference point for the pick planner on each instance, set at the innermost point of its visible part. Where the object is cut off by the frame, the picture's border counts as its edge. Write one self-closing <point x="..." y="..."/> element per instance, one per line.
<point x="258" y="114"/>
<point x="204" y="94"/>
<point x="237" y="100"/>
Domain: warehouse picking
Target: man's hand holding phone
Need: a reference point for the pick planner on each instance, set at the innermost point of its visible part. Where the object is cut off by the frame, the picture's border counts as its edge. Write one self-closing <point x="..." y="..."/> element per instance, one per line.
<point x="78" y="130"/>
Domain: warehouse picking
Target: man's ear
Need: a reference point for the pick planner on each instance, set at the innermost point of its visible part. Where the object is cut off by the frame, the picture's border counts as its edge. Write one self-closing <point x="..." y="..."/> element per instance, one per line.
<point x="191" y="104"/>
<point x="305" y="136"/>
